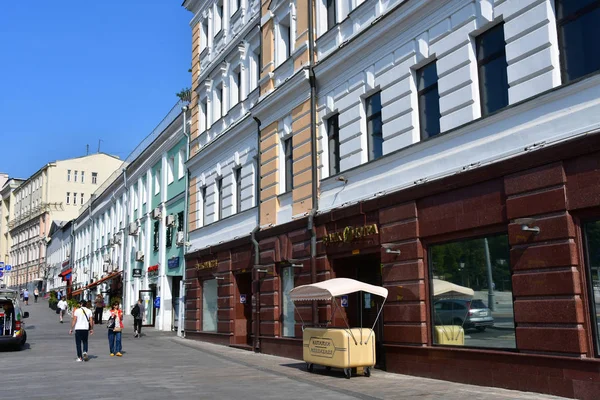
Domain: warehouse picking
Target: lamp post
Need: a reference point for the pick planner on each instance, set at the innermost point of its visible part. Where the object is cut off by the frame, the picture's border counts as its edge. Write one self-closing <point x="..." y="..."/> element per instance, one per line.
<point x="488" y="266"/>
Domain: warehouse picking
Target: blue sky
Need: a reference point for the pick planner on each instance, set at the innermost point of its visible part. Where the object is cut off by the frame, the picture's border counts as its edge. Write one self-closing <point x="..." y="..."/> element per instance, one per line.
<point x="75" y="72"/>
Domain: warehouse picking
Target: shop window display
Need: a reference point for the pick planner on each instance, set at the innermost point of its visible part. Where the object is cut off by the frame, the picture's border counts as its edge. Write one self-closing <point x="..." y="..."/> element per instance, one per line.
<point x="471" y="293"/>
<point x="209" y="305"/>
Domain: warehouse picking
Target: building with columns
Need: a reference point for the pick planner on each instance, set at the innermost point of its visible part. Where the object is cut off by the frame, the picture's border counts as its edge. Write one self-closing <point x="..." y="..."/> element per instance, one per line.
<point x="409" y="144"/>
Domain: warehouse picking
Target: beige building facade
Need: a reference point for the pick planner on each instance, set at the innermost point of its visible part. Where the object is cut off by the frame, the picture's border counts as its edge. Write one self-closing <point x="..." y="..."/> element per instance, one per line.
<point x="7" y="198"/>
<point x="54" y="192"/>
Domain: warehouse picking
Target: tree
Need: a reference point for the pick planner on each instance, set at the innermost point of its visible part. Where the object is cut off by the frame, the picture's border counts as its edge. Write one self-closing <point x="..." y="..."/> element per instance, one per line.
<point x="185" y="94"/>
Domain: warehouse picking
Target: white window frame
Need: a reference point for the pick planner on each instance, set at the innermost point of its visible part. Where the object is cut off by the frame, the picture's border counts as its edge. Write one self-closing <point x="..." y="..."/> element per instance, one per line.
<point x="170" y="167"/>
<point x="181" y="165"/>
<point x="157" y="182"/>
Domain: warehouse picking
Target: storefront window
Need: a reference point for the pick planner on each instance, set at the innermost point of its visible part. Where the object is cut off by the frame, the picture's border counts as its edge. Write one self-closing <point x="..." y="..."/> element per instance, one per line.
<point x="209" y="305"/>
<point x="592" y="238"/>
<point x="471" y="293"/>
<point x="289" y="323"/>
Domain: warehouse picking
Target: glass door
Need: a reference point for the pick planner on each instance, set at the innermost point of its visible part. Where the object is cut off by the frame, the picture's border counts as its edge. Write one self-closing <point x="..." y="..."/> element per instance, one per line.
<point x="147" y="297"/>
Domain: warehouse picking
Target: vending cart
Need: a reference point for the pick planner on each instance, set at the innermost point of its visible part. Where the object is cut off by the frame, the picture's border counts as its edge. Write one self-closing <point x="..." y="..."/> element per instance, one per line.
<point x="331" y="347"/>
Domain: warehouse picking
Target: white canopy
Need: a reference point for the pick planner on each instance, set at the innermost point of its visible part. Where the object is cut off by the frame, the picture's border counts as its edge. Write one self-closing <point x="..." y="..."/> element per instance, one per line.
<point x="334" y="287"/>
<point x="448" y="289"/>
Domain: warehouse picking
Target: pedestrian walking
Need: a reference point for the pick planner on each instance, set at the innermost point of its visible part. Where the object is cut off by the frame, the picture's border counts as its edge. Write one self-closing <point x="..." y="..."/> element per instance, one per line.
<point x="62" y="309"/>
<point x="115" y="327"/>
<point x="99" y="303"/>
<point x="36" y="293"/>
<point x="83" y="326"/>
<point x="137" y="312"/>
<point x="26" y="297"/>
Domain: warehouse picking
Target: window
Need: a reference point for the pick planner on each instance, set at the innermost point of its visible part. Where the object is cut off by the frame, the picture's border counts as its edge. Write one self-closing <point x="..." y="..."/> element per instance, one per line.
<point x="209" y="305"/>
<point x="218" y="103"/>
<point x="236" y="89"/>
<point x="82" y="176"/>
<point x="257" y="66"/>
<point x="68" y="197"/>
<point x="284" y="42"/>
<point x="204" y="108"/>
<point x="491" y="62"/>
<point x="204" y="33"/>
<point x="333" y="144"/>
<point x="170" y="167"/>
<point x="94" y="178"/>
<point x="180" y="221"/>
<point x="68" y="175"/>
<point x="287" y="284"/>
<point x="81" y="198"/>
<point x="331" y="13"/>
<point x="374" y="126"/>
<point x="472" y="292"/>
<point x="592" y="247"/>
<point x="74" y="176"/>
<point x="169" y="237"/>
<point x="238" y="188"/>
<point x="429" y="101"/>
<point x="219" y="199"/>
<point x="155" y="242"/>
<point x="204" y="208"/>
<point x="142" y="191"/>
<point x="578" y="21"/>
<point x="288" y="152"/>
<point x="74" y="199"/>
<point x="157" y="182"/>
<point x="236" y="5"/>
<point x="181" y="165"/>
<point x="218" y="20"/>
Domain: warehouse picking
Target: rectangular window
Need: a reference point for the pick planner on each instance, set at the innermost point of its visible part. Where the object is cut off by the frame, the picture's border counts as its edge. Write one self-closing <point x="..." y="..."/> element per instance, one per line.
<point x="218" y="103"/>
<point x="82" y="177"/>
<point x="94" y="178"/>
<point x="331" y="13"/>
<point x="218" y="20"/>
<point x="287" y="284"/>
<point x="204" y="38"/>
<point x="471" y="291"/>
<point x="492" y="70"/>
<point x="170" y="167"/>
<point x="68" y="175"/>
<point x="74" y="199"/>
<point x="333" y="144"/>
<point x="288" y="152"/>
<point x="169" y="237"/>
<point x="156" y="238"/>
<point x="181" y="166"/>
<point x="82" y="198"/>
<point x="219" y="199"/>
<point x="238" y="188"/>
<point x="204" y="107"/>
<point x="157" y="182"/>
<point x="592" y="247"/>
<point x="209" y="305"/>
<point x="180" y="221"/>
<point x="374" y="126"/>
<point x="74" y="176"/>
<point x="577" y="22"/>
<point x="204" y="208"/>
<point x="284" y="48"/>
<point x="429" y="100"/>
<point x="68" y="197"/>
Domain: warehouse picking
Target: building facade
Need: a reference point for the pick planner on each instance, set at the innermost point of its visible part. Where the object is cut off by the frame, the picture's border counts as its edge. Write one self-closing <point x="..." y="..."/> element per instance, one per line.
<point x="6" y="214"/>
<point x="58" y="256"/>
<point x="53" y="192"/>
<point x="409" y="144"/>
<point x="129" y="238"/>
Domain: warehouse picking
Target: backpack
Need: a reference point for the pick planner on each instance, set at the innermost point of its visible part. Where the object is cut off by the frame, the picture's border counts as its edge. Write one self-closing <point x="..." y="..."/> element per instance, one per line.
<point x="135" y="311"/>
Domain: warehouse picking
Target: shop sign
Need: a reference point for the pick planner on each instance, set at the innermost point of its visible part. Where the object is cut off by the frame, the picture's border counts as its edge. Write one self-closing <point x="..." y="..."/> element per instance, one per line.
<point x="137" y="273"/>
<point x="153" y="270"/>
<point x="350" y="233"/>
<point x="321" y="347"/>
<point x="173" y="263"/>
<point x="207" y="264"/>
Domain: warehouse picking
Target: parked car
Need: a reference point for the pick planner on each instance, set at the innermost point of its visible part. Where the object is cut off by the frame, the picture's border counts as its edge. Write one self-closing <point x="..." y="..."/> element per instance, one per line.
<point x="468" y="313"/>
<point x="12" y="328"/>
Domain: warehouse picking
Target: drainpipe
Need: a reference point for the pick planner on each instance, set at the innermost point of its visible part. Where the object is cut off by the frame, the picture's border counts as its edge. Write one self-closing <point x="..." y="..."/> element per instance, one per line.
<point x="313" y="141"/>
<point x="256" y="343"/>
<point x="181" y="317"/>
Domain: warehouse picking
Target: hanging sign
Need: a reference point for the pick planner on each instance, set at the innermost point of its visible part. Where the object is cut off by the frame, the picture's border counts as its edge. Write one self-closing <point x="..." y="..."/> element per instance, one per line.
<point x="137" y="273"/>
<point x="153" y="270"/>
<point x="350" y="234"/>
<point x="173" y="263"/>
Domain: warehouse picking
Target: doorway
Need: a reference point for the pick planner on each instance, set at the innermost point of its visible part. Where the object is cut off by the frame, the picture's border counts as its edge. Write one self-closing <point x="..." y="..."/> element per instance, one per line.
<point x="243" y="309"/>
<point x="148" y="297"/>
<point x="175" y="299"/>
<point x="362" y="308"/>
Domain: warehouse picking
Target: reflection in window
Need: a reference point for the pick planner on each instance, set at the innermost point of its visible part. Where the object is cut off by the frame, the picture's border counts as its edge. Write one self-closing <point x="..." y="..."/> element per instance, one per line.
<point x="472" y="293"/>
<point x="491" y="62"/>
<point x="578" y="21"/>
<point x="592" y="237"/>
<point x="289" y="322"/>
<point x="209" y="305"/>
<point x="333" y="144"/>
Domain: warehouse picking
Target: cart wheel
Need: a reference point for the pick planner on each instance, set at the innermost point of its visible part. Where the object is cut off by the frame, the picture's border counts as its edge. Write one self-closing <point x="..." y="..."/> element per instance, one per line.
<point x="328" y="368"/>
<point x="347" y="372"/>
<point x="368" y="372"/>
<point x="309" y="367"/>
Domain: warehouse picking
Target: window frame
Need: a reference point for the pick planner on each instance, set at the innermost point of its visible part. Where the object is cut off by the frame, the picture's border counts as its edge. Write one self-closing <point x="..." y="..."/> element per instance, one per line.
<point x="334" y="165"/>
<point x="331" y="21"/>
<point x="288" y="162"/>
<point x="594" y="320"/>
<point x="486" y="61"/>
<point x="94" y="178"/>
<point x="170" y="170"/>
<point x="369" y="124"/>
<point x="68" y="197"/>
<point x="219" y="199"/>
<point x="291" y="271"/>
<point x="237" y="174"/>
<point x="82" y="176"/>
<point x="68" y="175"/>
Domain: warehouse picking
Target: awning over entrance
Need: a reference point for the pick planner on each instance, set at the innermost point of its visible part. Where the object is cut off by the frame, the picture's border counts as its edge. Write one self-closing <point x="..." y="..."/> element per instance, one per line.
<point x="65" y="272"/>
<point x="109" y="276"/>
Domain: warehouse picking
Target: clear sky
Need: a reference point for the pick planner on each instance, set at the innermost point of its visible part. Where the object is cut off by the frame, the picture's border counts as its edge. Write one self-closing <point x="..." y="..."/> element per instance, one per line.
<point x="76" y="72"/>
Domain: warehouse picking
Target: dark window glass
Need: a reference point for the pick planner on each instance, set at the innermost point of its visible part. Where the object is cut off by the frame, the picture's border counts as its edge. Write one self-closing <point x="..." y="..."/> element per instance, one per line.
<point x="180" y="221"/>
<point x="289" y="161"/>
<point x="289" y="40"/>
<point x="169" y="237"/>
<point x="592" y="244"/>
<point x="203" y="195"/>
<point x="205" y="112"/>
<point x="429" y="101"/>
<point x="238" y="189"/>
<point x="331" y="14"/>
<point x="333" y="139"/>
<point x="219" y="210"/>
<point x="238" y="4"/>
<point x="239" y="85"/>
<point x="471" y="293"/>
<point x="493" y="78"/>
<point x="222" y="100"/>
<point x="578" y="21"/>
<point x="374" y="126"/>
<point x="156" y="237"/>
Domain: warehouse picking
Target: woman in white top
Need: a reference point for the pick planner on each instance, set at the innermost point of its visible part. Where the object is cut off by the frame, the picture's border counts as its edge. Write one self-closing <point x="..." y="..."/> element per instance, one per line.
<point x="62" y="308"/>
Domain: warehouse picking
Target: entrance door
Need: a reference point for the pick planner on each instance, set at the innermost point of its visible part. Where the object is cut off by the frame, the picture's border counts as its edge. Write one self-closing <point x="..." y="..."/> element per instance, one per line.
<point x="363" y="307"/>
<point x="147" y="297"/>
<point x="243" y="309"/>
<point x="175" y="301"/>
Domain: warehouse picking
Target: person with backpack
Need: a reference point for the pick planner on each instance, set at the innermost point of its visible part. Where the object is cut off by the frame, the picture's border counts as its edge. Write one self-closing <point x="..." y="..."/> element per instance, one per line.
<point x="83" y="325"/>
<point x="137" y="312"/>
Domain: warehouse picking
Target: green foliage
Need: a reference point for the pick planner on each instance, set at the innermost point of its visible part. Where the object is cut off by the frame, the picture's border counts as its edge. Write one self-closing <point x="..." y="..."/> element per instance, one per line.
<point x="53" y="296"/>
<point x="185" y="94"/>
<point x="52" y="301"/>
<point x="72" y="303"/>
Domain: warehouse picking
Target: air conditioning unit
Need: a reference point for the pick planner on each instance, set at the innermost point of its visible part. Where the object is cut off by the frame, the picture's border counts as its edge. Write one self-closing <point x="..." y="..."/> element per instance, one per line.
<point x="117" y="238"/>
<point x="133" y="228"/>
<point x="106" y="258"/>
<point x="139" y="256"/>
<point x="180" y="238"/>
<point x="111" y="242"/>
<point x="170" y="220"/>
<point x="156" y="213"/>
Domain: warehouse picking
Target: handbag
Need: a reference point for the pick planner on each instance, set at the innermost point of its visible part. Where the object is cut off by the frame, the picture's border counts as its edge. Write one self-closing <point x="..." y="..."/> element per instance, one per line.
<point x="110" y="324"/>
<point x="117" y="327"/>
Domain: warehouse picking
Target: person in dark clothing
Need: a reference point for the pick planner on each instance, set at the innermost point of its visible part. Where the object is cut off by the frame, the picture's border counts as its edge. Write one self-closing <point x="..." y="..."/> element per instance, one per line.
<point x="99" y="303"/>
<point x="137" y="312"/>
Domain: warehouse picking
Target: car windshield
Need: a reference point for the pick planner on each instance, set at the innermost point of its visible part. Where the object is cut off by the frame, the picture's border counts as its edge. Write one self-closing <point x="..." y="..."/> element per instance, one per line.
<point x="477" y="304"/>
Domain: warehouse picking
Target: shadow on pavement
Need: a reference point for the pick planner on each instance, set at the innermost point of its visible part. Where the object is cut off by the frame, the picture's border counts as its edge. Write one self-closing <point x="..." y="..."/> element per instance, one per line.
<point x="318" y="370"/>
